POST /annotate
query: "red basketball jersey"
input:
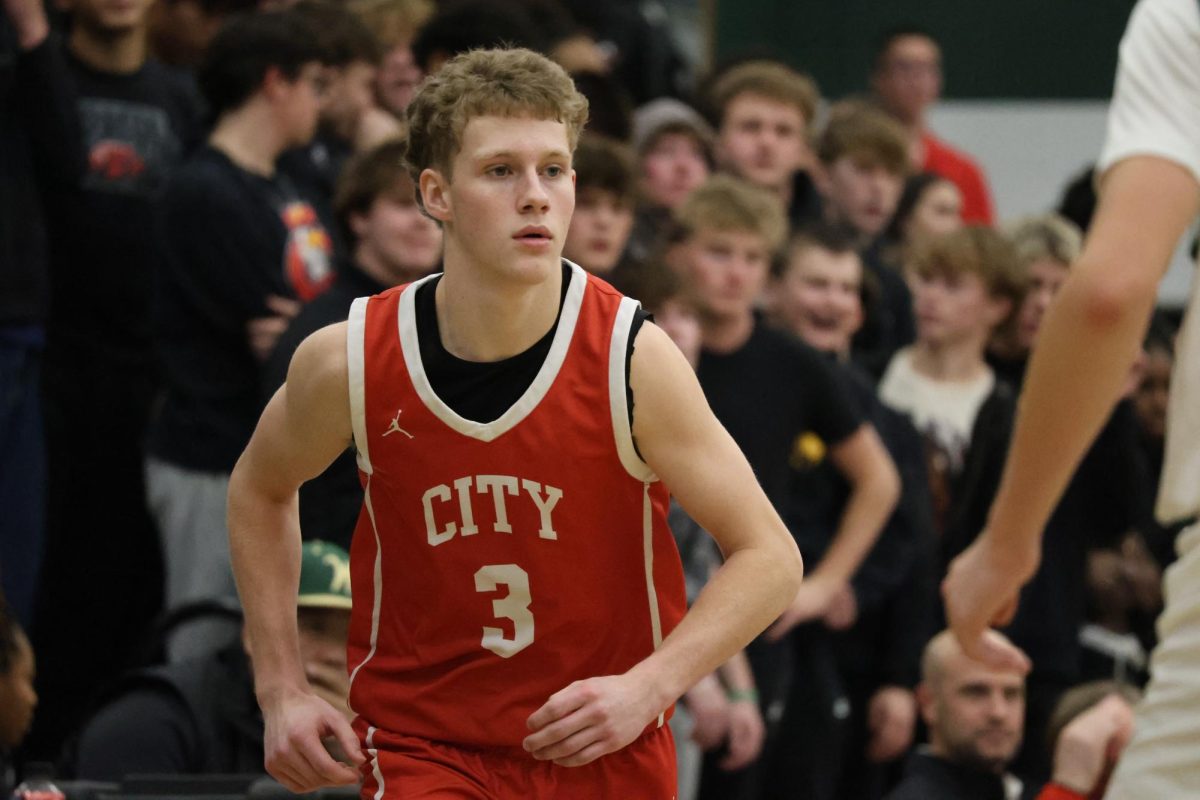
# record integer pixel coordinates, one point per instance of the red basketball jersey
(495, 563)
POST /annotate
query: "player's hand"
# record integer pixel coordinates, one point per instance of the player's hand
(1090, 744)
(709, 707)
(263, 332)
(746, 734)
(591, 718)
(812, 601)
(296, 723)
(892, 722)
(981, 589)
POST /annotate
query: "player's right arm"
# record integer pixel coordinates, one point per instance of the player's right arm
(305, 426)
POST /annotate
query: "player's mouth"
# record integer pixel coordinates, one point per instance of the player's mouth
(536, 237)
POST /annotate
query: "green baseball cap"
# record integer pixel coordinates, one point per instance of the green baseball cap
(324, 576)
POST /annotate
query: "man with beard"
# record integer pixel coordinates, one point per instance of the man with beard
(975, 715)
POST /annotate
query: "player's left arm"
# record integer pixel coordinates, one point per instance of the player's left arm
(874, 482)
(688, 449)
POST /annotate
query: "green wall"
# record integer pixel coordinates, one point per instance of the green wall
(1001, 49)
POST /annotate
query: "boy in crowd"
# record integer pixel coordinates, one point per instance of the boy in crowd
(965, 286)
(765, 112)
(395, 24)
(240, 250)
(567, 693)
(673, 145)
(604, 198)
(721, 712)
(139, 119)
(862, 164)
(393, 244)
(768, 390)
(1046, 247)
(884, 618)
(351, 56)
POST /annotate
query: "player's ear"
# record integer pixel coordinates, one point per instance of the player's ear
(435, 192)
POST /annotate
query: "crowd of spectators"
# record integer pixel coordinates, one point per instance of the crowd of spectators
(191, 187)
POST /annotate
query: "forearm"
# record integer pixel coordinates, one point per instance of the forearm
(264, 539)
(870, 504)
(1048, 444)
(748, 592)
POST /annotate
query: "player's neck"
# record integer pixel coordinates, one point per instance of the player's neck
(952, 361)
(483, 317)
(122, 53)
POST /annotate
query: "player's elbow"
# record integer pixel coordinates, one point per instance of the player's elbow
(1108, 299)
(790, 566)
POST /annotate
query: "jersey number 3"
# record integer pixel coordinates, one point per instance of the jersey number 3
(513, 606)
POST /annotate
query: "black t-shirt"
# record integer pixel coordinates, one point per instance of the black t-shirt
(314, 170)
(229, 239)
(136, 131)
(768, 394)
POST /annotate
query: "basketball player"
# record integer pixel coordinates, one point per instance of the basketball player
(1149, 193)
(517, 624)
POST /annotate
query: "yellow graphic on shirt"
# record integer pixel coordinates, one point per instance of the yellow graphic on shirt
(808, 451)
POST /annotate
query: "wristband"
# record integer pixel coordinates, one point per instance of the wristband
(742, 695)
(1056, 791)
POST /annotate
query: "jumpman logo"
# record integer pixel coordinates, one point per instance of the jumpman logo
(395, 426)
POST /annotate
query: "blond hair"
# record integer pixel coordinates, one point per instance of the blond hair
(974, 250)
(725, 203)
(861, 131)
(478, 83)
(1045, 237)
(771, 80)
(394, 22)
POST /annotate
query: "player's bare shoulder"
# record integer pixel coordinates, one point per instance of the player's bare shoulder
(318, 377)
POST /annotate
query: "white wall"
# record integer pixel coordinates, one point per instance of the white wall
(1031, 149)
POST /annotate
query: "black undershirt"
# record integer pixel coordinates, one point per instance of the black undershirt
(481, 391)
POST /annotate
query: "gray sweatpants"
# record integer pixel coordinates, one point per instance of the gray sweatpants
(189, 507)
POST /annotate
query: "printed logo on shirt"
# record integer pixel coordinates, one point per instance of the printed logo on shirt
(808, 451)
(395, 426)
(308, 255)
(131, 146)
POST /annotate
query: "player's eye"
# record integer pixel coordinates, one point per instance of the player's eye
(499, 171)
(555, 171)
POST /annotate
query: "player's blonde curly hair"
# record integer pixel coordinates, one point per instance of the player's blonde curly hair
(505, 83)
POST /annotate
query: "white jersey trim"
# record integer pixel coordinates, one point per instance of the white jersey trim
(651, 591)
(356, 333)
(489, 431)
(617, 398)
(376, 770)
(378, 583)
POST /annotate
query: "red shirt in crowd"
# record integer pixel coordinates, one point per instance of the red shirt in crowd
(960, 169)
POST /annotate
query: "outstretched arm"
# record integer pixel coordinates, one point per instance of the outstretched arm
(304, 428)
(1076, 374)
(688, 449)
